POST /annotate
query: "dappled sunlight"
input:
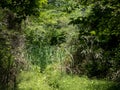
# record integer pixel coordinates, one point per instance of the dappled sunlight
(59, 45)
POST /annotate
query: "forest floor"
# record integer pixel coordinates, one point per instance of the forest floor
(55, 80)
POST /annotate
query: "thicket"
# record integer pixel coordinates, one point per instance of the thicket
(94, 38)
(12, 13)
(80, 37)
(99, 31)
(48, 38)
(11, 43)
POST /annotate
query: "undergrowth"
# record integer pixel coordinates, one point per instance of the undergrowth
(54, 79)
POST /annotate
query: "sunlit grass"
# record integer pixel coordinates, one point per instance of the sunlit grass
(53, 79)
(83, 83)
(32, 80)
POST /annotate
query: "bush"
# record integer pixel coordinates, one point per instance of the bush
(32, 79)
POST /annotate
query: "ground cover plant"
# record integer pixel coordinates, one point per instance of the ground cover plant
(53, 79)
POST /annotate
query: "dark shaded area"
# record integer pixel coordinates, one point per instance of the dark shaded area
(115, 86)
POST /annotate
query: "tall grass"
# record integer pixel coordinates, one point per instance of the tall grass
(50, 60)
(45, 55)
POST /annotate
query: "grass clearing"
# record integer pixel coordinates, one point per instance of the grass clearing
(55, 80)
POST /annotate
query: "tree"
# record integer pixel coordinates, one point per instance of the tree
(20, 9)
(101, 22)
(11, 38)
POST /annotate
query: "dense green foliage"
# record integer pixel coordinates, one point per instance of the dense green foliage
(12, 12)
(59, 44)
(99, 36)
(6, 62)
(22, 8)
(53, 79)
(48, 36)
